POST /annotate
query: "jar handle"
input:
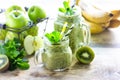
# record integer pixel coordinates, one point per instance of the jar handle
(87, 34)
(37, 56)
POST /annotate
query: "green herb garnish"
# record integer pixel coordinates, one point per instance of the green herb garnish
(68, 10)
(15, 53)
(54, 37)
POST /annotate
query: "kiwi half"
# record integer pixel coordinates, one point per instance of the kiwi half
(85, 55)
(4, 63)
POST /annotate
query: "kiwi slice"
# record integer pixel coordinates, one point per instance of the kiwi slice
(85, 55)
(4, 63)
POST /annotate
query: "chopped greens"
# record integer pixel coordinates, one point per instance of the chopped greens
(15, 53)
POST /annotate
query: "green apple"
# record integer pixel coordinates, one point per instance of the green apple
(33, 30)
(2, 34)
(36, 12)
(16, 19)
(10, 36)
(32, 44)
(13, 7)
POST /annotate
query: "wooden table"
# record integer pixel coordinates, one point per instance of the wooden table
(105, 66)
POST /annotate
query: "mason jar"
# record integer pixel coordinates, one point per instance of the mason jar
(56, 57)
(80, 33)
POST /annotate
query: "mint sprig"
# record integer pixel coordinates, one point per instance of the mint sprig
(54, 37)
(67, 9)
(16, 54)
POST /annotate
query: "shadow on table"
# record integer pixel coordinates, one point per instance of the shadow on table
(107, 39)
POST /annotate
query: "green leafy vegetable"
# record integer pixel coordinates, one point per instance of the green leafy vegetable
(15, 53)
(66, 4)
(54, 37)
(62, 10)
(68, 10)
(22, 64)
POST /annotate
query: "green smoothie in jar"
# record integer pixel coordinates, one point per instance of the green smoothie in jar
(56, 56)
(80, 34)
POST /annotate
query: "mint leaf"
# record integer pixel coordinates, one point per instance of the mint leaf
(68, 10)
(12, 54)
(66, 4)
(54, 37)
(62, 10)
(16, 53)
(22, 64)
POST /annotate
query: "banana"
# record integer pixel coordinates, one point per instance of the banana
(94, 14)
(114, 23)
(97, 27)
(116, 14)
(77, 2)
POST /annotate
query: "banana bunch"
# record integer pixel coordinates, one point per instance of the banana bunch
(99, 19)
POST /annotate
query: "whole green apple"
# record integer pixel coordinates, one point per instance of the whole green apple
(13, 7)
(16, 19)
(36, 12)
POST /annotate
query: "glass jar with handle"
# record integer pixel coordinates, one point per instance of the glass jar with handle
(80, 34)
(56, 54)
(55, 57)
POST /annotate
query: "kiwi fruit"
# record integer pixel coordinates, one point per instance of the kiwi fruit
(85, 55)
(4, 62)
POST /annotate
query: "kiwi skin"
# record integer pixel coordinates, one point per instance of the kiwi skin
(81, 51)
(6, 65)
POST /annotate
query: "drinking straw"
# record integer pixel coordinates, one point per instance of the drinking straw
(63, 29)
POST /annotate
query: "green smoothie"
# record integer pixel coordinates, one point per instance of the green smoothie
(79, 35)
(57, 56)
